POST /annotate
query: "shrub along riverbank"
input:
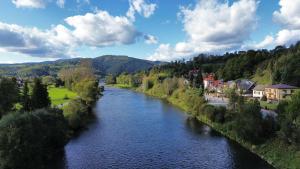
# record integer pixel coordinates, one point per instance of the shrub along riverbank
(242, 122)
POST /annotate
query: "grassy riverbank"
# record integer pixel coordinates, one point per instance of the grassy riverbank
(274, 151)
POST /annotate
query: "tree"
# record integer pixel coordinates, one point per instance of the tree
(289, 120)
(48, 80)
(30, 140)
(83, 71)
(76, 113)
(40, 98)
(198, 80)
(9, 94)
(110, 79)
(249, 122)
(25, 99)
(170, 85)
(88, 91)
(235, 105)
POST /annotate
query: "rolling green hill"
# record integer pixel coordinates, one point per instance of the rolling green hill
(103, 65)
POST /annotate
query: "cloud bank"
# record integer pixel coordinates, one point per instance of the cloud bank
(98, 29)
(211, 26)
(288, 17)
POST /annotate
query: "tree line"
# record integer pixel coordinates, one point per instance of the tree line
(279, 65)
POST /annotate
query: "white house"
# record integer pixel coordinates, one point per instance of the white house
(259, 91)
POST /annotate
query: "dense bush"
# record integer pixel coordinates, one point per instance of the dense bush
(250, 124)
(147, 84)
(87, 90)
(264, 98)
(29, 140)
(215, 114)
(76, 113)
(170, 85)
(289, 120)
(110, 79)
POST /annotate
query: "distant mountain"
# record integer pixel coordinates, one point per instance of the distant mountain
(117, 64)
(103, 65)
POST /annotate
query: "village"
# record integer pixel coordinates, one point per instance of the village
(268, 95)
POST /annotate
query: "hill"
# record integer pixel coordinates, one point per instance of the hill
(103, 65)
(280, 65)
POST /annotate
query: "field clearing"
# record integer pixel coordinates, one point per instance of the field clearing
(60, 95)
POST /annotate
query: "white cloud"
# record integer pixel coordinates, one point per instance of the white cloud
(101, 29)
(150, 39)
(264, 44)
(60, 3)
(212, 26)
(29, 3)
(141, 7)
(98, 29)
(163, 52)
(287, 37)
(33, 42)
(288, 16)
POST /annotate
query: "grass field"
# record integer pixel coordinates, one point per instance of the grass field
(60, 95)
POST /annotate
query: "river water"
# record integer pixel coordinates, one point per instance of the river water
(132, 130)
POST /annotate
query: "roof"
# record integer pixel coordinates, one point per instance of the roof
(244, 84)
(260, 87)
(209, 77)
(281, 86)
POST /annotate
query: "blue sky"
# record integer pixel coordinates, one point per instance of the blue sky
(40, 30)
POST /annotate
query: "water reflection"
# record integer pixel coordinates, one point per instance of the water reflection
(200, 128)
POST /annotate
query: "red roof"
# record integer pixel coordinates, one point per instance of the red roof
(209, 77)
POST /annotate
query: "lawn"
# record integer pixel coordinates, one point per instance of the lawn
(271, 106)
(60, 95)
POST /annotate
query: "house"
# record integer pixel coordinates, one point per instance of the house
(245, 86)
(259, 91)
(279, 91)
(208, 80)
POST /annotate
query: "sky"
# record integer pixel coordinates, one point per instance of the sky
(43, 30)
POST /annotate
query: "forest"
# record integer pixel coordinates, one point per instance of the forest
(280, 65)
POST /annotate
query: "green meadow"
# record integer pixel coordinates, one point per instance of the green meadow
(60, 95)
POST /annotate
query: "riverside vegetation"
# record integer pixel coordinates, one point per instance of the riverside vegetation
(275, 140)
(33, 132)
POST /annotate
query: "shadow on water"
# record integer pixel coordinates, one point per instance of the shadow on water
(239, 154)
(199, 128)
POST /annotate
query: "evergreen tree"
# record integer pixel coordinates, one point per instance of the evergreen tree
(40, 98)
(9, 95)
(198, 80)
(25, 100)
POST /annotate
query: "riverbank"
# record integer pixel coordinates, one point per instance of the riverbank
(274, 151)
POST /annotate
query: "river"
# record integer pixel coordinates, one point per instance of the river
(132, 130)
